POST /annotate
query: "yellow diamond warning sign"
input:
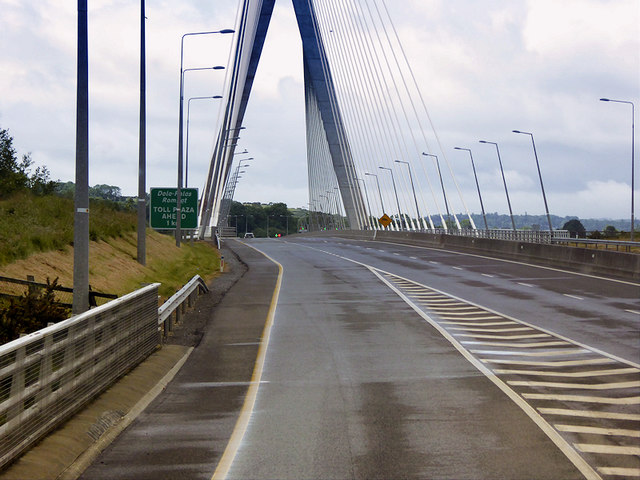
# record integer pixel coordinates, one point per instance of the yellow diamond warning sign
(385, 220)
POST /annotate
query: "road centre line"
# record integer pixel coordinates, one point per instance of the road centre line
(633, 311)
(457, 268)
(487, 275)
(503, 260)
(623, 432)
(525, 284)
(573, 296)
(565, 412)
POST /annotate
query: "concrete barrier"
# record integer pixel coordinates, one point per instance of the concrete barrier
(584, 260)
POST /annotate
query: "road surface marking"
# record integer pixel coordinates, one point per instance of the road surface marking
(492, 330)
(435, 263)
(633, 311)
(609, 449)
(577, 386)
(457, 268)
(396, 253)
(592, 373)
(590, 414)
(620, 471)
(544, 353)
(525, 284)
(413, 258)
(487, 275)
(561, 363)
(505, 337)
(584, 398)
(480, 324)
(242, 423)
(573, 296)
(517, 345)
(623, 432)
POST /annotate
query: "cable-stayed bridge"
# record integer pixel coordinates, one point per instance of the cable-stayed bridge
(371, 146)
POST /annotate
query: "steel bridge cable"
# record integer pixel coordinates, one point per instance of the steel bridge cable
(433, 129)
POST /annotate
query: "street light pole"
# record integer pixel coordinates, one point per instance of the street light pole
(395, 191)
(180, 128)
(544, 197)
(513, 223)
(484, 216)
(633, 116)
(186, 159)
(444, 194)
(142, 149)
(366, 194)
(412, 188)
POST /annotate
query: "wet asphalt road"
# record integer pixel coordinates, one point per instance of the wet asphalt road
(355, 383)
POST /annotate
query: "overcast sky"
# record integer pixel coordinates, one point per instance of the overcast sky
(485, 68)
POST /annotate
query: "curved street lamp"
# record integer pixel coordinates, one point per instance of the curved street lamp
(444, 194)
(484, 216)
(544, 197)
(412, 188)
(513, 223)
(633, 115)
(180, 128)
(393, 181)
(186, 159)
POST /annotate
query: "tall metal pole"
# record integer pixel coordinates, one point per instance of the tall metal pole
(473, 165)
(180, 134)
(81, 201)
(366, 194)
(142, 149)
(513, 223)
(395, 190)
(633, 122)
(412, 188)
(444, 193)
(544, 196)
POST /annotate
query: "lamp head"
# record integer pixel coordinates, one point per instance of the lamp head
(605, 100)
(227, 30)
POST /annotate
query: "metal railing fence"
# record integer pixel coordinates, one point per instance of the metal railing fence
(47, 376)
(179, 302)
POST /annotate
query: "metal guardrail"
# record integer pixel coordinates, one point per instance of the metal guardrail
(618, 244)
(49, 375)
(176, 304)
(530, 236)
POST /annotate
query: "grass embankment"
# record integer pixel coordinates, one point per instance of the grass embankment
(37, 236)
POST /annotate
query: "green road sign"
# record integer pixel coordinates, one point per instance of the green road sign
(163, 208)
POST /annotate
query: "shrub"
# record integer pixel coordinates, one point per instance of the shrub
(31, 312)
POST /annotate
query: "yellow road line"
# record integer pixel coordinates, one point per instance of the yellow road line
(242, 423)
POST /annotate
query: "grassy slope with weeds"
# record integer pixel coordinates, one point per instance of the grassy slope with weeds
(32, 224)
(37, 235)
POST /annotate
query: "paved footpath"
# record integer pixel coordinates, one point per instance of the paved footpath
(147, 421)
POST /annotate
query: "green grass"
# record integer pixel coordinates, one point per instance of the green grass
(197, 259)
(32, 224)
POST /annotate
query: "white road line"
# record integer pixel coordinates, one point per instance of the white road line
(487, 275)
(622, 432)
(620, 471)
(456, 308)
(590, 414)
(576, 386)
(592, 373)
(480, 324)
(396, 253)
(435, 263)
(413, 258)
(554, 343)
(492, 330)
(565, 363)
(633, 311)
(505, 337)
(457, 268)
(525, 284)
(583, 399)
(607, 449)
(446, 312)
(472, 319)
(573, 296)
(545, 353)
